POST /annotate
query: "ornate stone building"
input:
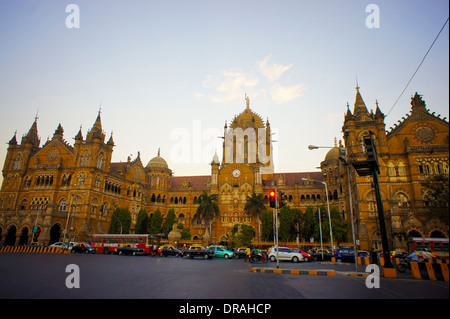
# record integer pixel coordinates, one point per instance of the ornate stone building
(42, 184)
(408, 154)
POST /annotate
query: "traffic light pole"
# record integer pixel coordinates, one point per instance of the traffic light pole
(371, 167)
(276, 225)
(384, 239)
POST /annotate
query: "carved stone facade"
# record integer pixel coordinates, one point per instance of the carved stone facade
(408, 154)
(43, 183)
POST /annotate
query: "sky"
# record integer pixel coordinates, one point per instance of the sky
(168, 74)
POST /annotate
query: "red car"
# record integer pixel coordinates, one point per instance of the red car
(306, 256)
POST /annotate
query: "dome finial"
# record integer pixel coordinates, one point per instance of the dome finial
(247, 101)
(159, 151)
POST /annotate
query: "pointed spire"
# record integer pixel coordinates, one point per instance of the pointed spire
(58, 132)
(13, 141)
(79, 136)
(98, 121)
(378, 113)
(32, 135)
(96, 130)
(111, 141)
(360, 107)
(159, 151)
(215, 157)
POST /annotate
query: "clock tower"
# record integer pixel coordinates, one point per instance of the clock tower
(246, 162)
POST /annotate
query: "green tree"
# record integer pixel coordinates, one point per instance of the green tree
(267, 224)
(308, 224)
(208, 209)
(437, 195)
(168, 224)
(340, 228)
(156, 222)
(242, 235)
(254, 206)
(120, 221)
(286, 224)
(185, 234)
(141, 222)
(299, 220)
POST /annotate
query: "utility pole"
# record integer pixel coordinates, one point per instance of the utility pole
(371, 167)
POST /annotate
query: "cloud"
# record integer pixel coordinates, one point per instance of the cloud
(233, 83)
(284, 94)
(274, 71)
(228, 85)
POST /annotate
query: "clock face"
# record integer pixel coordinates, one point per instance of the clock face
(236, 173)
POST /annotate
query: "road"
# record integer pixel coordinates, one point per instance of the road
(29, 276)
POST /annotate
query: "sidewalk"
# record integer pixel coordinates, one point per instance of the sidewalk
(319, 269)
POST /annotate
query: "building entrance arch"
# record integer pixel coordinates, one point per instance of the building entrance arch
(23, 239)
(55, 234)
(10, 239)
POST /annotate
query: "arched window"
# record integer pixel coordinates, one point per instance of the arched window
(62, 205)
(101, 160)
(402, 200)
(84, 158)
(23, 204)
(16, 162)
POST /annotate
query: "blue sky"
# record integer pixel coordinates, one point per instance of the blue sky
(168, 74)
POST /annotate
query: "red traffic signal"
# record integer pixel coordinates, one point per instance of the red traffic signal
(272, 196)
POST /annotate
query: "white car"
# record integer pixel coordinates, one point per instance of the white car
(59, 244)
(284, 253)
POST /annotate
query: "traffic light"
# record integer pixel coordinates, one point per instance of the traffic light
(282, 200)
(36, 232)
(296, 229)
(371, 151)
(272, 197)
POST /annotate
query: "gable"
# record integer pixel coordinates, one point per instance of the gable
(52, 153)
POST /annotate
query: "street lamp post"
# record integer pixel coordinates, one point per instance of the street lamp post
(276, 226)
(345, 160)
(67, 221)
(328, 207)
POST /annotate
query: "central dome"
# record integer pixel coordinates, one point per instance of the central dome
(247, 118)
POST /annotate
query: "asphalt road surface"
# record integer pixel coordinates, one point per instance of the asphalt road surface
(47, 276)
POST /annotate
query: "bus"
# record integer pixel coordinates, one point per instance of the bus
(437, 246)
(108, 243)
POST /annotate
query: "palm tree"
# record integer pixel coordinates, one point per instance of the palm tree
(254, 207)
(208, 209)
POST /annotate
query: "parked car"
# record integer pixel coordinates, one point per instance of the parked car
(83, 248)
(284, 253)
(306, 256)
(198, 251)
(59, 244)
(130, 250)
(170, 250)
(317, 256)
(220, 251)
(347, 254)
